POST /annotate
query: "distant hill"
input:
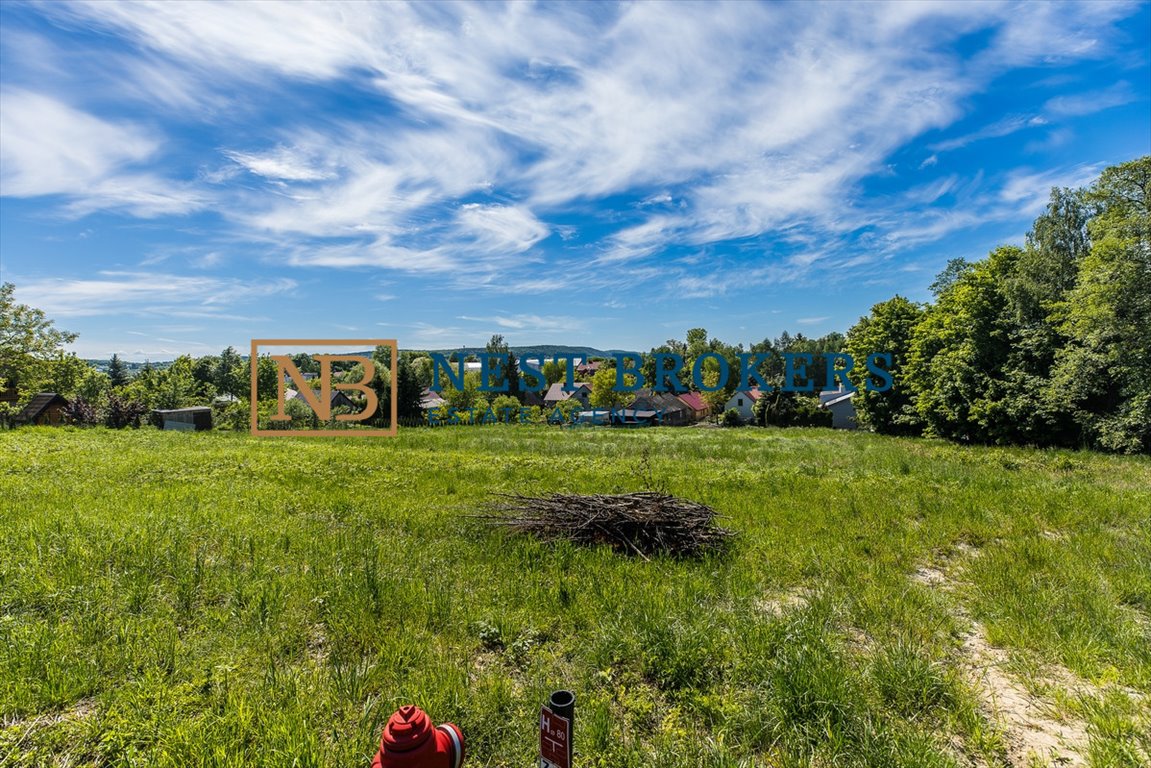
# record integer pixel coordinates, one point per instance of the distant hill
(548, 350)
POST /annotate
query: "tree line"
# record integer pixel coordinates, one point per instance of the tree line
(1047, 344)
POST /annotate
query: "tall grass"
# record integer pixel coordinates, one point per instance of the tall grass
(215, 599)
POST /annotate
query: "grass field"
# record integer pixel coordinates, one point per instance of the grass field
(177, 599)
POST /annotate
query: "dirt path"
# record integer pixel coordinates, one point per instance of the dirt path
(1034, 732)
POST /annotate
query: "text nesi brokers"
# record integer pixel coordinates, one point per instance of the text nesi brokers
(668, 365)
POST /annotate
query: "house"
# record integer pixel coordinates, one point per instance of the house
(672, 409)
(195, 419)
(430, 400)
(698, 409)
(556, 394)
(838, 401)
(339, 399)
(45, 408)
(307, 377)
(586, 369)
(742, 402)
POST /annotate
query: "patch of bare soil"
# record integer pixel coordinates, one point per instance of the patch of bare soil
(20, 729)
(781, 603)
(1029, 723)
(1033, 730)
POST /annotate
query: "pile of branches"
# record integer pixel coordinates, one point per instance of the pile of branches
(641, 523)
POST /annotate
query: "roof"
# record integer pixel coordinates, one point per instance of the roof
(193, 409)
(291, 394)
(556, 391)
(694, 401)
(844, 398)
(832, 394)
(38, 404)
(664, 401)
(430, 399)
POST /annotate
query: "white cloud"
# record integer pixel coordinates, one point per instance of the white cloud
(282, 164)
(145, 293)
(51, 148)
(529, 322)
(1088, 103)
(494, 118)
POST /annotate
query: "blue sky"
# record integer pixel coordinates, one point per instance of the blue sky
(176, 177)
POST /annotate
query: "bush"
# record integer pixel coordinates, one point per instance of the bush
(731, 418)
(789, 409)
(8, 413)
(123, 413)
(80, 412)
(234, 415)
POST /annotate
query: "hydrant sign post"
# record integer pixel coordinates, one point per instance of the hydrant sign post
(556, 720)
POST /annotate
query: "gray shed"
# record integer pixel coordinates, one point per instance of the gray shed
(184, 419)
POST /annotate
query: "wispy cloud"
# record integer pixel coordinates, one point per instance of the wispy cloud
(591, 156)
(525, 322)
(146, 293)
(600, 105)
(52, 148)
(1088, 103)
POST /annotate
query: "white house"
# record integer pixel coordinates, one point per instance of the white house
(742, 402)
(838, 401)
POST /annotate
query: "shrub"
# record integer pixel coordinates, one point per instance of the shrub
(80, 412)
(123, 413)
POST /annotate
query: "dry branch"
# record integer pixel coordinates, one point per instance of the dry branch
(643, 523)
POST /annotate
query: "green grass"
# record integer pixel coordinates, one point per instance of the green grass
(177, 599)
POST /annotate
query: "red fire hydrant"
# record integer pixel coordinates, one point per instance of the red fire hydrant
(411, 741)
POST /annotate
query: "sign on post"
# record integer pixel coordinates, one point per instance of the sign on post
(555, 740)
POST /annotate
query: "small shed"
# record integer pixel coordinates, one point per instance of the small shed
(184, 419)
(45, 408)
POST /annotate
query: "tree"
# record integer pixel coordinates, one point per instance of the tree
(231, 376)
(117, 374)
(29, 341)
(171, 387)
(955, 269)
(409, 392)
(555, 370)
(718, 398)
(509, 372)
(603, 392)
(958, 354)
(1101, 373)
(888, 328)
(267, 378)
